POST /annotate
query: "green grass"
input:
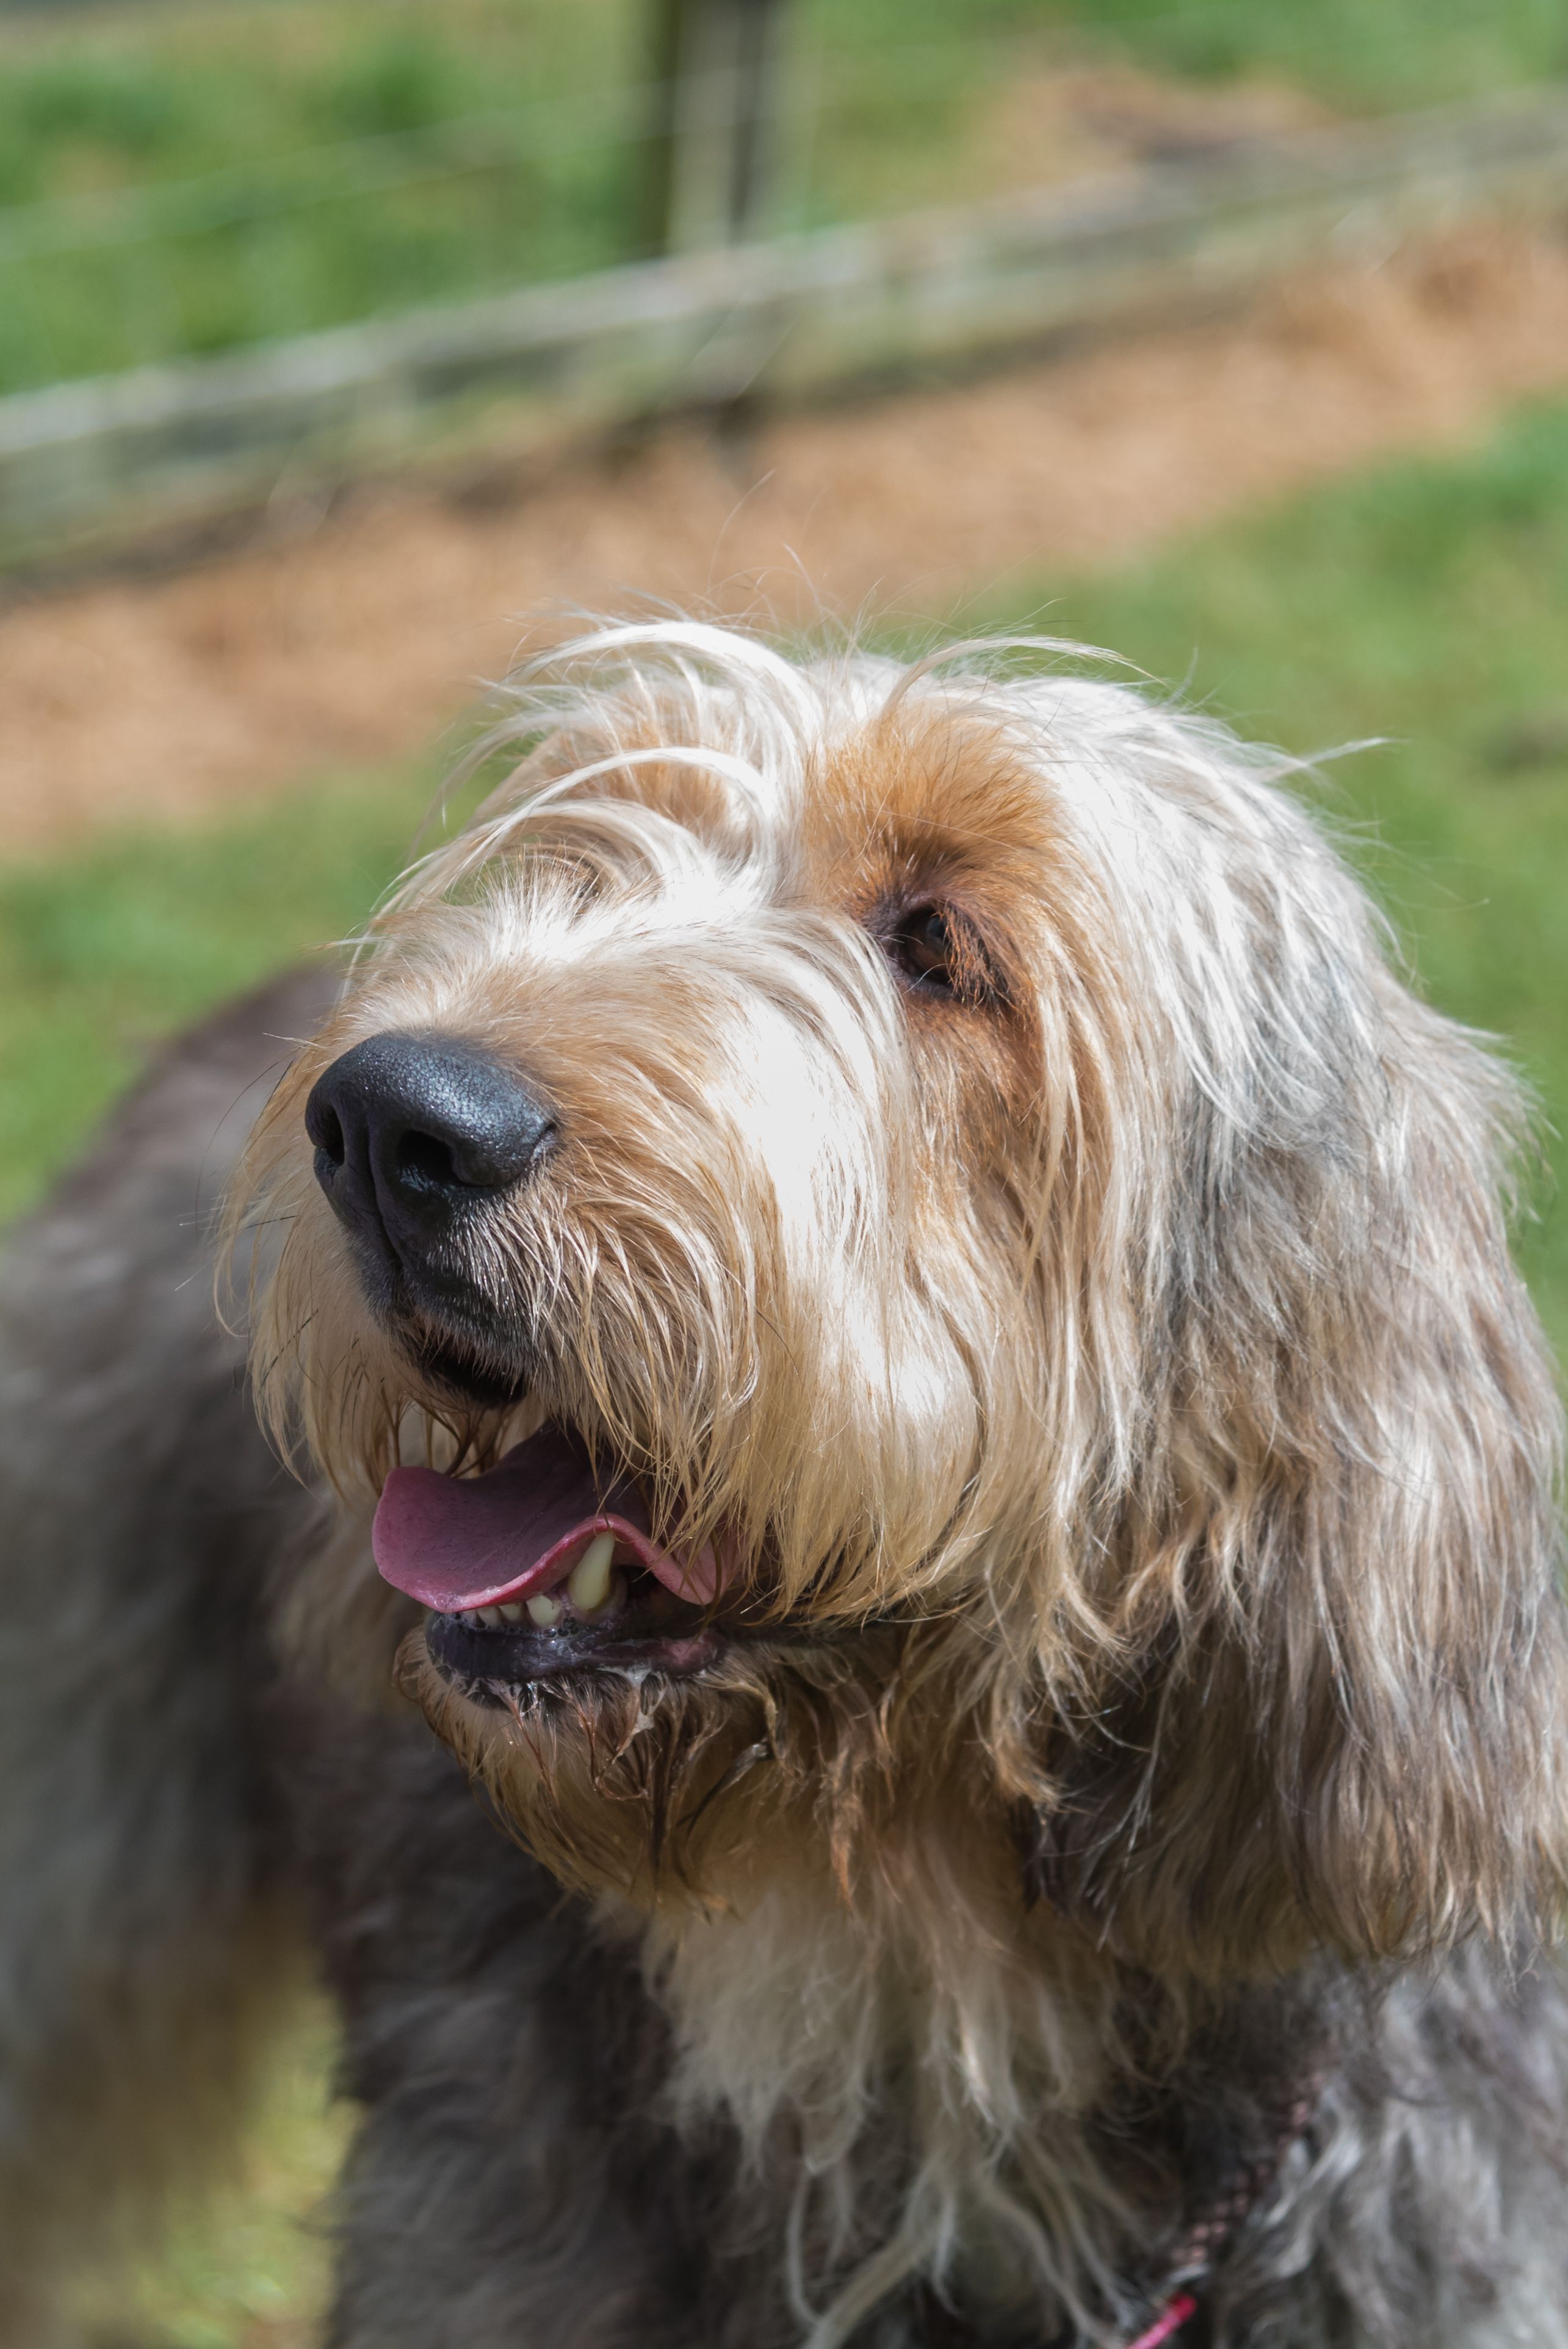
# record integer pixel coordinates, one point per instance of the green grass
(300, 162)
(1425, 602)
(1352, 52)
(220, 176)
(102, 954)
(250, 2268)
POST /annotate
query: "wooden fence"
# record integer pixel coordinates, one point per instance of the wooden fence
(89, 466)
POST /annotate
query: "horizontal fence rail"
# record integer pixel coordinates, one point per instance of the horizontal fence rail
(93, 464)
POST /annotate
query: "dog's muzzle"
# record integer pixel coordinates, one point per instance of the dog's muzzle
(415, 1137)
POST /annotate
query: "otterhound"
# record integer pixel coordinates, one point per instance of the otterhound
(901, 1337)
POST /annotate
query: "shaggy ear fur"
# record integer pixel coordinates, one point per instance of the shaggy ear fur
(1333, 1706)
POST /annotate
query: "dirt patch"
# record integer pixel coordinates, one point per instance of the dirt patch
(1037, 125)
(1066, 125)
(353, 641)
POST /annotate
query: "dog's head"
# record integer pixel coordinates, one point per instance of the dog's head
(905, 1275)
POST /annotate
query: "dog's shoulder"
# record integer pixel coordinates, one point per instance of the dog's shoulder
(125, 1428)
(114, 1267)
(178, 1131)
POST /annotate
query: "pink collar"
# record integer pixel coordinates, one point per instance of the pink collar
(1169, 2321)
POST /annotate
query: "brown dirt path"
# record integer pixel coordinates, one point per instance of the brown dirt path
(355, 640)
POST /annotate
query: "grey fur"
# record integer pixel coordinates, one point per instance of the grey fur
(142, 1889)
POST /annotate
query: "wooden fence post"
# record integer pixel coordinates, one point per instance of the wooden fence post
(713, 149)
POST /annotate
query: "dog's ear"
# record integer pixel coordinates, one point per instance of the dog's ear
(1332, 1704)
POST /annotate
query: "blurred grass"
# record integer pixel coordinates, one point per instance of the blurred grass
(1353, 53)
(250, 2269)
(310, 163)
(1424, 602)
(293, 168)
(138, 935)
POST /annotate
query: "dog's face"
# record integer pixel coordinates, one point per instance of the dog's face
(901, 1269)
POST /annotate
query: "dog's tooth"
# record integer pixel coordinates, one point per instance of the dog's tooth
(510, 1610)
(545, 1610)
(590, 1584)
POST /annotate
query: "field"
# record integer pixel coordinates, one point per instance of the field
(180, 180)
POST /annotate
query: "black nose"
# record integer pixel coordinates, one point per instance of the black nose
(412, 1133)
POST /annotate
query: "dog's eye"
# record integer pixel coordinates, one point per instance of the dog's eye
(922, 949)
(938, 952)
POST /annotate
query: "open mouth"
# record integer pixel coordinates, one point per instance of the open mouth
(534, 1570)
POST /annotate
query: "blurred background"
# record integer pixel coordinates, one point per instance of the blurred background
(345, 345)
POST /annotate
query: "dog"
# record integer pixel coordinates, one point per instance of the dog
(886, 1599)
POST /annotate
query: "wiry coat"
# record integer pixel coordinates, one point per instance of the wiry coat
(1138, 1453)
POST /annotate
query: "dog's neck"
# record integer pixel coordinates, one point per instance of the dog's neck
(978, 2111)
(924, 2101)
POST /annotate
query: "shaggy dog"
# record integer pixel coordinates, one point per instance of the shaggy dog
(921, 1331)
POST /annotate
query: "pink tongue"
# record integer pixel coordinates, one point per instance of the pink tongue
(455, 1542)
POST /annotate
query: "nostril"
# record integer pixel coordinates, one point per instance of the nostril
(424, 1158)
(324, 1128)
